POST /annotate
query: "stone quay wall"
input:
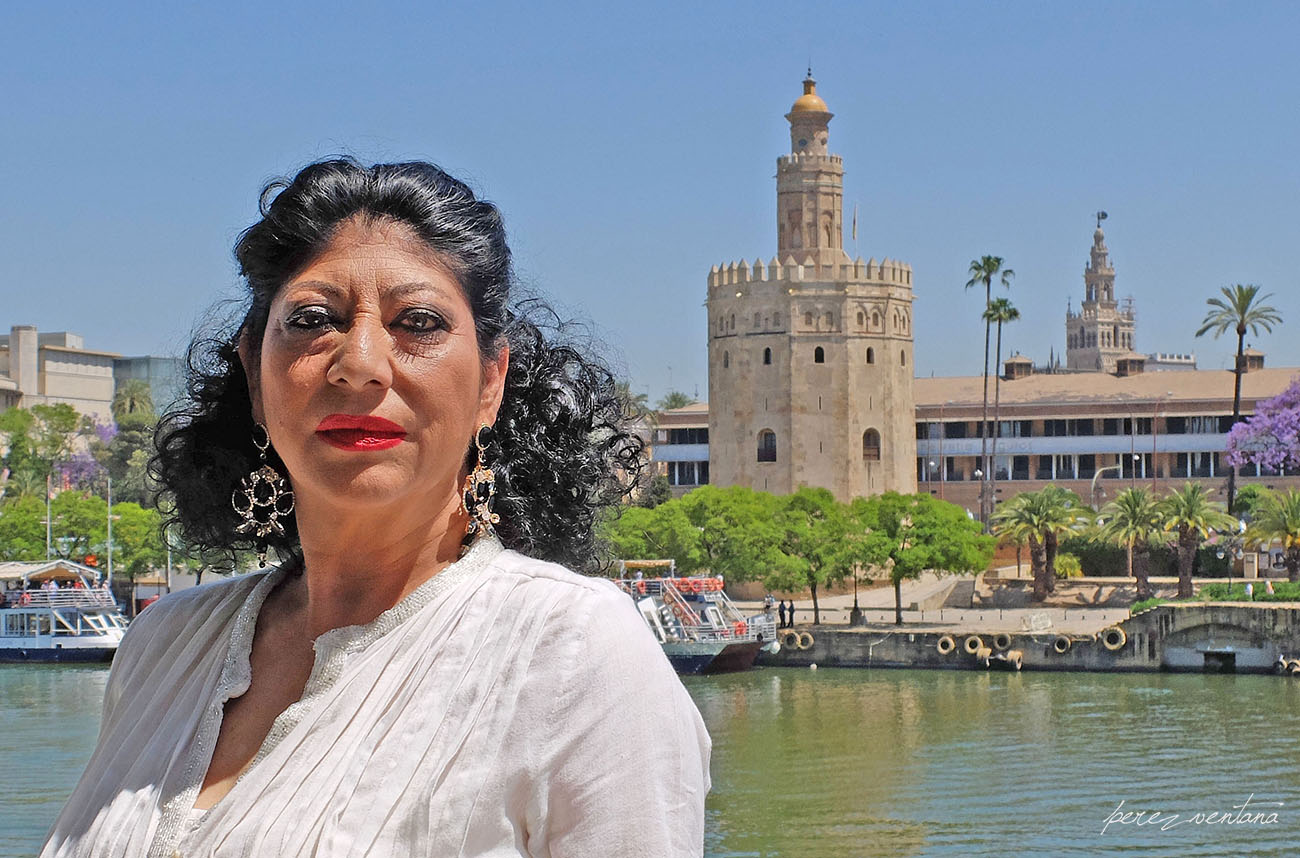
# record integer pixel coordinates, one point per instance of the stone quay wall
(1243, 638)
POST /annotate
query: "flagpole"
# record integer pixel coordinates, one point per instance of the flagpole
(855, 230)
(110, 527)
(47, 518)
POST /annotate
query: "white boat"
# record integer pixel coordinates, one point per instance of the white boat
(699, 628)
(78, 622)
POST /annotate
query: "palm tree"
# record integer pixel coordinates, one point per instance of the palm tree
(1065, 513)
(635, 405)
(1240, 309)
(1279, 520)
(674, 399)
(983, 270)
(1189, 513)
(1018, 521)
(1039, 518)
(1132, 520)
(133, 398)
(997, 312)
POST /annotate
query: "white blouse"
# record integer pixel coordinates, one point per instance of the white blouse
(506, 707)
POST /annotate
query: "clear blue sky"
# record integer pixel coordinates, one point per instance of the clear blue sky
(631, 147)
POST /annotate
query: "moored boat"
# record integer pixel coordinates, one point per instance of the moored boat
(699, 627)
(55, 612)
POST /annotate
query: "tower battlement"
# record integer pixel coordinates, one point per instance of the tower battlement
(808, 159)
(887, 272)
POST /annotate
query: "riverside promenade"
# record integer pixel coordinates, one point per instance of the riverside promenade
(951, 603)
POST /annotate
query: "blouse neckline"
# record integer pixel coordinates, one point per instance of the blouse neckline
(332, 649)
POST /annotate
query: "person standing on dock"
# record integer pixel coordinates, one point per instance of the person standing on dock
(781, 614)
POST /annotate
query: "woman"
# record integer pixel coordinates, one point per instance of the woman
(422, 675)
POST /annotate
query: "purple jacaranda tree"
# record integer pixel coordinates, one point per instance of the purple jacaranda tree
(79, 471)
(105, 432)
(1271, 438)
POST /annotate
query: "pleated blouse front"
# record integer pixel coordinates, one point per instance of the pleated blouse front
(506, 707)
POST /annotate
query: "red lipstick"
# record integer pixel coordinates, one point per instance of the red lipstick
(359, 432)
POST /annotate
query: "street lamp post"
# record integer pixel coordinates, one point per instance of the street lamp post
(1155, 417)
(1095, 477)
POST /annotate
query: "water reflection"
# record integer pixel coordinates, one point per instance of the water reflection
(875, 763)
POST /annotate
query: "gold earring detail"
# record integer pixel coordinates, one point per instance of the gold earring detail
(480, 488)
(263, 497)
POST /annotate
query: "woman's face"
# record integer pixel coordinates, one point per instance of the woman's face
(370, 381)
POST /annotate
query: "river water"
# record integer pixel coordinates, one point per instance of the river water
(864, 763)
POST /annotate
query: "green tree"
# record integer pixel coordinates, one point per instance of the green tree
(1240, 309)
(1250, 500)
(137, 540)
(982, 271)
(657, 491)
(22, 528)
(78, 525)
(674, 399)
(133, 398)
(909, 534)
(730, 532)
(56, 428)
(999, 312)
(1277, 519)
(740, 535)
(813, 540)
(1132, 520)
(1040, 518)
(1192, 516)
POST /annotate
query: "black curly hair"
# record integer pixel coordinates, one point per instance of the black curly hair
(560, 448)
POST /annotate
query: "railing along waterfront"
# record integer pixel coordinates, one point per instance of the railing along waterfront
(67, 598)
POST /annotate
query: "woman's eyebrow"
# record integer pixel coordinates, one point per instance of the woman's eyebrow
(331, 289)
(401, 290)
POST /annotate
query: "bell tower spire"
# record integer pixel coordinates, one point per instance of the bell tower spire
(810, 186)
(1102, 331)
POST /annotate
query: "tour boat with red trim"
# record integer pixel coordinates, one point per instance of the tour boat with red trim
(700, 629)
(55, 612)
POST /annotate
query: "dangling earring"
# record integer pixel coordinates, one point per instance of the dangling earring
(263, 498)
(480, 487)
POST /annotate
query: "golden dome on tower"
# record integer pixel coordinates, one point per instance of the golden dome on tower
(810, 101)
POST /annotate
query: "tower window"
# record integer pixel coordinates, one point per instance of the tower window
(861, 318)
(871, 446)
(830, 320)
(875, 320)
(902, 357)
(819, 355)
(726, 360)
(767, 446)
(733, 321)
(758, 319)
(776, 320)
(807, 319)
(871, 355)
(767, 356)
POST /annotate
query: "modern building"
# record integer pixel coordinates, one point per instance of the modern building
(165, 376)
(38, 368)
(57, 367)
(810, 354)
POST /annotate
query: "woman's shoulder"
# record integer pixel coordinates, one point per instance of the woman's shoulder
(205, 609)
(544, 573)
(203, 599)
(576, 595)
